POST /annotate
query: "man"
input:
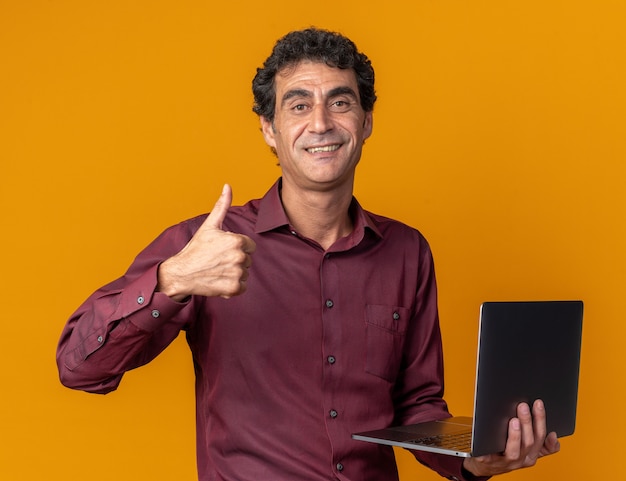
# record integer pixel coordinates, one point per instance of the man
(334, 329)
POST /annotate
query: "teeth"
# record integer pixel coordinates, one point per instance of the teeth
(326, 148)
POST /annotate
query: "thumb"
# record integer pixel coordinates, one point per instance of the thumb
(217, 215)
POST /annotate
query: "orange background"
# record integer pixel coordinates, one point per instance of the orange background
(499, 133)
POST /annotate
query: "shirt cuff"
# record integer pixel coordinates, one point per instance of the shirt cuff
(145, 308)
(450, 467)
(467, 476)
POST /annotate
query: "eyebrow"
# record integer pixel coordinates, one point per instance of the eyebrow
(295, 93)
(307, 94)
(343, 91)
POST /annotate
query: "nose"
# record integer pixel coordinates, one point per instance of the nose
(320, 120)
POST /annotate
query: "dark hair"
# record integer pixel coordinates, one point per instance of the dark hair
(317, 45)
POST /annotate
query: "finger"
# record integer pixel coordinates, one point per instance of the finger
(244, 276)
(513, 447)
(217, 215)
(249, 246)
(552, 445)
(526, 424)
(539, 416)
(539, 427)
(237, 287)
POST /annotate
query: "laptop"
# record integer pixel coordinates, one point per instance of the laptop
(526, 351)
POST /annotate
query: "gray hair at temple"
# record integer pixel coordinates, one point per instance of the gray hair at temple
(317, 45)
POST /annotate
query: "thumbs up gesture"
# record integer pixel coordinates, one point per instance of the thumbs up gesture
(213, 263)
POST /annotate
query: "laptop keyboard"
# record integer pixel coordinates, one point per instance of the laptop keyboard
(457, 442)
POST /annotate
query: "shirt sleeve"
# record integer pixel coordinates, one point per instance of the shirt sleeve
(419, 390)
(125, 324)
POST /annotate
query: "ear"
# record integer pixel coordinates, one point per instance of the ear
(268, 131)
(368, 125)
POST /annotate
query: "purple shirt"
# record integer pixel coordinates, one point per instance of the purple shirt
(321, 345)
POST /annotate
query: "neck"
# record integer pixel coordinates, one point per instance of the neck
(322, 216)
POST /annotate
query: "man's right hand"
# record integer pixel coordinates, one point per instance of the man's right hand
(213, 263)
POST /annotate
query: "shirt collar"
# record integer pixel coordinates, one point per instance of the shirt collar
(271, 215)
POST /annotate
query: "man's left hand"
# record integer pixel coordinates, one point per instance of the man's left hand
(526, 442)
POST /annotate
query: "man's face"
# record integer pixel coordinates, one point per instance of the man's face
(319, 126)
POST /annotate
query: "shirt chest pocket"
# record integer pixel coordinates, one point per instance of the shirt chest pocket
(385, 329)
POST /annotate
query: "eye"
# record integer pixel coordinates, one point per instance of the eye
(341, 105)
(299, 107)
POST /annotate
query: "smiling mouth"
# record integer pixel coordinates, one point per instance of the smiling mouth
(325, 148)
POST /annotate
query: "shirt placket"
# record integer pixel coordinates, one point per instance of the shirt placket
(331, 358)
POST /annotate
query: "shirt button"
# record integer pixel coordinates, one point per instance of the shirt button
(100, 339)
(333, 414)
(155, 313)
(339, 467)
(140, 300)
(331, 359)
(396, 316)
(329, 303)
